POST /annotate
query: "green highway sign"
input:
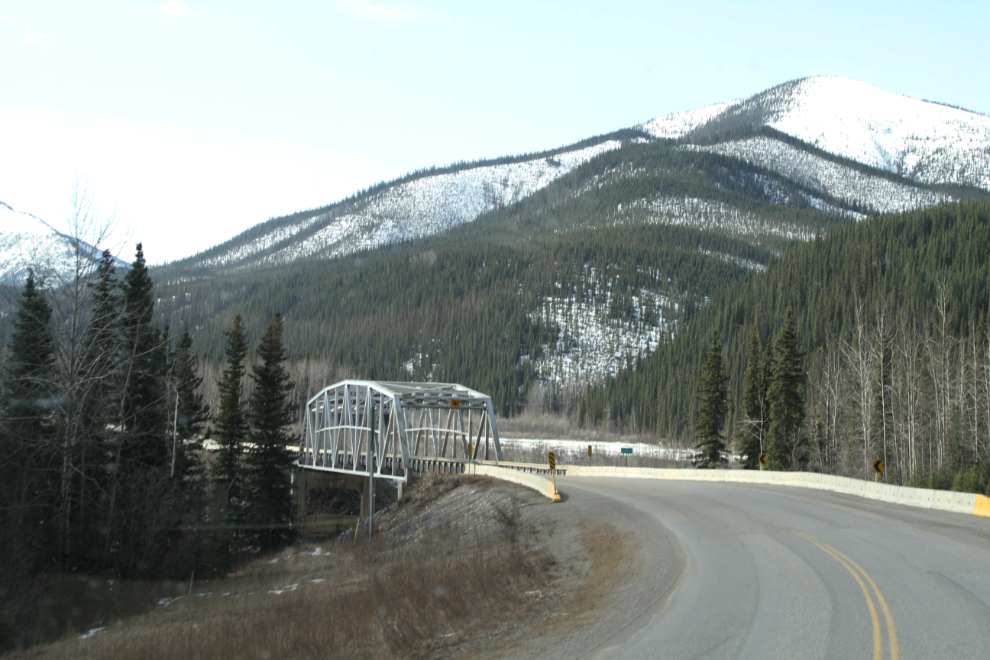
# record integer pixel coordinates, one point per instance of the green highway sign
(627, 450)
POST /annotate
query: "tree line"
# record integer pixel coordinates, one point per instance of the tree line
(102, 421)
(890, 327)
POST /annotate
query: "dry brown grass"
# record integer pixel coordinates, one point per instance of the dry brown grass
(408, 596)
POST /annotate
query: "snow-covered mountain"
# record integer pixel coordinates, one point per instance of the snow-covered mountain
(413, 209)
(27, 241)
(928, 142)
(908, 147)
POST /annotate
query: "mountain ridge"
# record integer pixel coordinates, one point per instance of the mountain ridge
(882, 134)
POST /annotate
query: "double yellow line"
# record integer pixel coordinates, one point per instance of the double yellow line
(857, 571)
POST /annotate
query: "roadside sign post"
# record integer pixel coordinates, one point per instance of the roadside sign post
(877, 469)
(553, 469)
(626, 452)
(763, 461)
(589, 451)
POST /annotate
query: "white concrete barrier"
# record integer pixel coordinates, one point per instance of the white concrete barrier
(923, 498)
(539, 483)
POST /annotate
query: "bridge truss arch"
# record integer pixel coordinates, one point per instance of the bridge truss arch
(415, 424)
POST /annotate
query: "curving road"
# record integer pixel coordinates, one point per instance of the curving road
(774, 572)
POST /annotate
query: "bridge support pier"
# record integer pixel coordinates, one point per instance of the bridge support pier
(304, 481)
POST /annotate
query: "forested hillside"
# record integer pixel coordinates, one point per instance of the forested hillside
(891, 316)
(595, 267)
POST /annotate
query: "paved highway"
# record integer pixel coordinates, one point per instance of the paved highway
(776, 572)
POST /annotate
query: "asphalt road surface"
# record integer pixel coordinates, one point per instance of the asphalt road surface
(777, 572)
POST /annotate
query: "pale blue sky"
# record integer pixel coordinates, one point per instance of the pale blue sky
(194, 120)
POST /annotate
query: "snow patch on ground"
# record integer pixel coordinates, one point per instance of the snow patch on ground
(576, 451)
(708, 215)
(278, 591)
(825, 176)
(262, 243)
(92, 632)
(593, 342)
(679, 123)
(749, 264)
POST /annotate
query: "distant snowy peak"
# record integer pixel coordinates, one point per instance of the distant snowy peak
(18, 222)
(925, 141)
(27, 241)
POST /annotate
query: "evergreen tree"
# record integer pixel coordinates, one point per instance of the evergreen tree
(28, 482)
(226, 513)
(755, 405)
(785, 447)
(94, 409)
(270, 506)
(99, 391)
(231, 420)
(190, 412)
(30, 371)
(145, 507)
(711, 396)
(143, 398)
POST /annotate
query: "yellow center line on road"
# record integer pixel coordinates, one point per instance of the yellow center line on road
(895, 651)
(855, 570)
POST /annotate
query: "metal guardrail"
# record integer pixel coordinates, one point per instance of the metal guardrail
(459, 466)
(454, 465)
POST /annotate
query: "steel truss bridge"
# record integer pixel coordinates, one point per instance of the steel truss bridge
(410, 426)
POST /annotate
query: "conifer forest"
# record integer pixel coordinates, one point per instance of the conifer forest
(103, 422)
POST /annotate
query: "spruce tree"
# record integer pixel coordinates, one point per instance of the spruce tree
(101, 354)
(231, 419)
(785, 447)
(226, 510)
(711, 396)
(95, 410)
(754, 404)
(190, 412)
(143, 404)
(30, 371)
(270, 506)
(29, 466)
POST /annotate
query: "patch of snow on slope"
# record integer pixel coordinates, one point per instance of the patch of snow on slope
(591, 343)
(675, 125)
(825, 176)
(931, 142)
(416, 209)
(708, 215)
(748, 264)
(433, 204)
(262, 243)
